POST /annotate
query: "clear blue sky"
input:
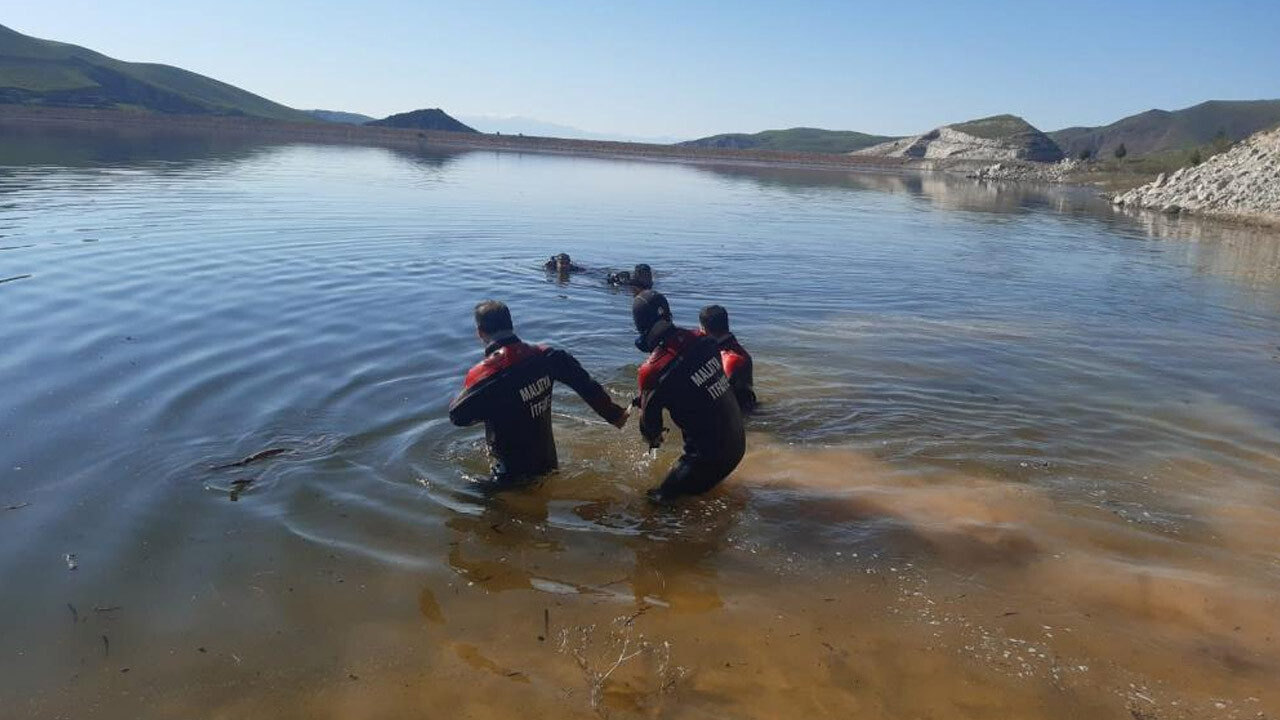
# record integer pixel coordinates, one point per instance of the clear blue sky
(696, 68)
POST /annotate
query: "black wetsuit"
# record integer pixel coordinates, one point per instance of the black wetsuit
(685, 377)
(624, 278)
(740, 369)
(510, 391)
(553, 267)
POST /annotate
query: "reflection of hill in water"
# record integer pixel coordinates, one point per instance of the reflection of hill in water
(944, 191)
(1247, 254)
(90, 147)
(166, 150)
(1250, 255)
(428, 158)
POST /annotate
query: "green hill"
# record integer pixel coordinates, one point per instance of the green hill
(44, 72)
(1157, 131)
(812, 140)
(338, 116)
(996, 126)
(430, 119)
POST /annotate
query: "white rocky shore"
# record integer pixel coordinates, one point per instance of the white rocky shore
(1242, 183)
(1058, 172)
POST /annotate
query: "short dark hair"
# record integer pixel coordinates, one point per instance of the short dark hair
(714, 319)
(492, 316)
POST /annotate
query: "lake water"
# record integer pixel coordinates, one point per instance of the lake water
(1018, 454)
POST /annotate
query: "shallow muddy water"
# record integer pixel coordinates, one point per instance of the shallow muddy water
(1018, 455)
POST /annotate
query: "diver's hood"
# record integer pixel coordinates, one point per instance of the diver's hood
(652, 316)
(648, 341)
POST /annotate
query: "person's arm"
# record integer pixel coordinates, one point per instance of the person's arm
(738, 368)
(472, 404)
(565, 368)
(651, 406)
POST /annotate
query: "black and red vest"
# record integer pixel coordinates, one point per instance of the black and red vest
(510, 391)
(685, 376)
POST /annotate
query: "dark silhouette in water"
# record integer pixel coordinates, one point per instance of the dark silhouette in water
(641, 278)
(260, 455)
(562, 265)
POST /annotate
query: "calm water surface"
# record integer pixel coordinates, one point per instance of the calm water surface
(1018, 457)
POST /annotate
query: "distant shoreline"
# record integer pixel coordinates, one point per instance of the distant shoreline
(28, 116)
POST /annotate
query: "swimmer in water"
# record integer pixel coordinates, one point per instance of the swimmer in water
(684, 376)
(562, 265)
(510, 392)
(735, 358)
(639, 279)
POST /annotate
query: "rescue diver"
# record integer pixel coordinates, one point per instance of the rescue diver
(510, 391)
(684, 376)
(735, 358)
(641, 278)
(562, 264)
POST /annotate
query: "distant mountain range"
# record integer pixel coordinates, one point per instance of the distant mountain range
(1161, 130)
(337, 116)
(520, 125)
(44, 72)
(48, 73)
(799, 139)
(431, 119)
(1154, 131)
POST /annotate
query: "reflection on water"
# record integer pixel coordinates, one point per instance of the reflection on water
(1017, 455)
(1242, 253)
(943, 191)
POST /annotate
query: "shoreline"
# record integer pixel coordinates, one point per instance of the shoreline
(36, 117)
(94, 120)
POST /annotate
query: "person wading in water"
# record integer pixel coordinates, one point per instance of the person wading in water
(735, 358)
(510, 391)
(683, 375)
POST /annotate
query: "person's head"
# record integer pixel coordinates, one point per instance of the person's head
(642, 276)
(714, 320)
(492, 318)
(563, 263)
(652, 316)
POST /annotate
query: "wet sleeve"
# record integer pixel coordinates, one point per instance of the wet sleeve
(470, 407)
(651, 407)
(565, 368)
(738, 368)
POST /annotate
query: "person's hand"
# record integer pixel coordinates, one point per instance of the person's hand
(621, 422)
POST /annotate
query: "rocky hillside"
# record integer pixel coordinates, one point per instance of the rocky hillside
(793, 140)
(1161, 130)
(993, 139)
(1242, 183)
(430, 119)
(44, 72)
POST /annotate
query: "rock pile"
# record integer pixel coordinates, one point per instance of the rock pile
(1242, 183)
(1026, 172)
